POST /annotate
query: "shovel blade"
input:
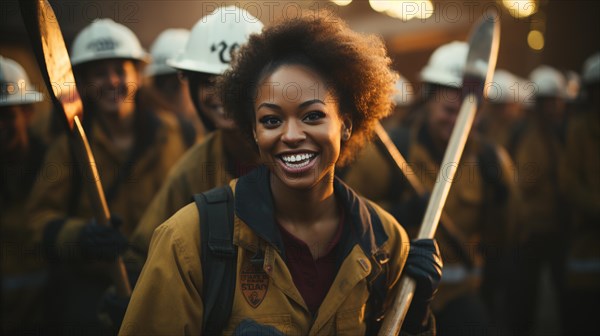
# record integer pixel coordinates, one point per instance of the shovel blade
(53, 58)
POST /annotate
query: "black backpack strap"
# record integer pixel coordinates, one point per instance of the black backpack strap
(219, 257)
(378, 288)
(378, 280)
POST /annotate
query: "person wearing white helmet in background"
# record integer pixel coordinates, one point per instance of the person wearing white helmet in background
(504, 107)
(551, 93)
(478, 203)
(223, 154)
(134, 148)
(21, 155)
(573, 85)
(582, 185)
(537, 146)
(208, 53)
(166, 86)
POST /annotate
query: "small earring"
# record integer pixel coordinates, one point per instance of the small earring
(346, 135)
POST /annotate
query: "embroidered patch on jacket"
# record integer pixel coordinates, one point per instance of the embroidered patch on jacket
(255, 283)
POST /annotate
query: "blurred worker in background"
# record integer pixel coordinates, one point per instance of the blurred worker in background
(21, 153)
(573, 95)
(478, 205)
(582, 184)
(374, 174)
(134, 148)
(166, 86)
(539, 232)
(504, 108)
(223, 154)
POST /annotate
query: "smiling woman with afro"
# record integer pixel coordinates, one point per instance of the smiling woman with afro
(311, 257)
(356, 66)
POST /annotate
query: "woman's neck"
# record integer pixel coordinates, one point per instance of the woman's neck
(304, 208)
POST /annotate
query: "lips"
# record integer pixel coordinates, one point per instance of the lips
(296, 163)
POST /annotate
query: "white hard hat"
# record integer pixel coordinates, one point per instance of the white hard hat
(15, 88)
(106, 39)
(505, 88)
(446, 65)
(549, 82)
(404, 94)
(214, 38)
(591, 69)
(168, 44)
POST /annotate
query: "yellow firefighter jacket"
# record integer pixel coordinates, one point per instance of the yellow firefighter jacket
(202, 168)
(23, 272)
(168, 297)
(129, 182)
(538, 156)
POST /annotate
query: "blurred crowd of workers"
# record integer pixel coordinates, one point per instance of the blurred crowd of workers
(526, 196)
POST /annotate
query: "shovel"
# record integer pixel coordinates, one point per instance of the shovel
(53, 59)
(481, 61)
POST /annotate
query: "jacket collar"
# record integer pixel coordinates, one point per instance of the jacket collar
(254, 206)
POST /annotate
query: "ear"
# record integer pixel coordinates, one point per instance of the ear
(181, 76)
(346, 128)
(255, 137)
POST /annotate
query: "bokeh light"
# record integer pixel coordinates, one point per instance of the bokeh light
(535, 40)
(341, 2)
(520, 8)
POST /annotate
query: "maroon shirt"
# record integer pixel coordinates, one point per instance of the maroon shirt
(313, 278)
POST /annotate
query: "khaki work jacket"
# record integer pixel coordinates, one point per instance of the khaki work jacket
(129, 182)
(168, 297)
(539, 156)
(23, 272)
(203, 167)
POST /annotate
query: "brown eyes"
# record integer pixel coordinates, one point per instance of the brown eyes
(314, 116)
(272, 121)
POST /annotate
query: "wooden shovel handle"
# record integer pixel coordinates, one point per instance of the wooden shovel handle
(396, 314)
(98, 201)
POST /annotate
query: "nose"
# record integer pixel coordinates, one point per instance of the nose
(112, 78)
(293, 134)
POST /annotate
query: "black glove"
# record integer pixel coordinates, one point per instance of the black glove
(249, 327)
(102, 243)
(424, 265)
(111, 310)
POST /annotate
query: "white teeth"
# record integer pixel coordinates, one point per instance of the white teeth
(297, 158)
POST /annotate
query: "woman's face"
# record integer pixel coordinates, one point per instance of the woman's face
(111, 86)
(298, 126)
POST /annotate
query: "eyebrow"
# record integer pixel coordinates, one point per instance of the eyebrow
(310, 102)
(303, 105)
